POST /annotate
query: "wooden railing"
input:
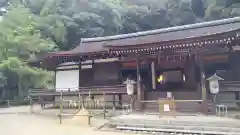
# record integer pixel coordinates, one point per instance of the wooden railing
(229, 86)
(185, 106)
(94, 90)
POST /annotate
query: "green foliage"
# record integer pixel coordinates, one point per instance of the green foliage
(31, 27)
(220, 9)
(198, 8)
(20, 39)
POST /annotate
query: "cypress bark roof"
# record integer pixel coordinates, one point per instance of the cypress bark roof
(100, 44)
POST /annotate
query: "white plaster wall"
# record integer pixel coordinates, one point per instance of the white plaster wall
(68, 79)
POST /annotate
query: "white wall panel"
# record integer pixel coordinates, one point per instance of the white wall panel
(67, 79)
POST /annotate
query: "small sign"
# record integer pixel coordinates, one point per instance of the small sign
(130, 89)
(214, 87)
(130, 86)
(166, 107)
(169, 94)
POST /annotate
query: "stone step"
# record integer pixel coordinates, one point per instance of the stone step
(160, 122)
(178, 131)
(184, 127)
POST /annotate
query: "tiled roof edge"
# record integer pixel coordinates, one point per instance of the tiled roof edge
(163, 30)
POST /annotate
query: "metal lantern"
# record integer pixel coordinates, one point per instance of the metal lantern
(214, 83)
(130, 86)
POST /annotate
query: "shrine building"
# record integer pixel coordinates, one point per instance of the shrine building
(176, 59)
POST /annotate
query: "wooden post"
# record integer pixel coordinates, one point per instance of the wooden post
(80, 103)
(114, 101)
(202, 83)
(60, 113)
(31, 104)
(41, 103)
(153, 71)
(120, 99)
(198, 59)
(237, 97)
(79, 75)
(8, 103)
(89, 120)
(104, 106)
(61, 107)
(61, 95)
(138, 107)
(203, 80)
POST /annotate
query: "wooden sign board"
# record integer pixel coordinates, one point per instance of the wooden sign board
(167, 107)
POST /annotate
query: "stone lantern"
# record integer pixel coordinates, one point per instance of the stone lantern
(130, 91)
(130, 86)
(214, 85)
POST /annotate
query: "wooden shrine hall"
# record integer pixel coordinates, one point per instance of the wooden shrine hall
(176, 59)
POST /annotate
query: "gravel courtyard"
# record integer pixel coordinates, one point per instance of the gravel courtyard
(18, 121)
(26, 124)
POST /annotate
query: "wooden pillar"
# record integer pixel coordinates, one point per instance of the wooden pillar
(139, 95)
(203, 80)
(199, 61)
(120, 99)
(237, 97)
(31, 104)
(153, 71)
(204, 106)
(114, 102)
(79, 75)
(55, 77)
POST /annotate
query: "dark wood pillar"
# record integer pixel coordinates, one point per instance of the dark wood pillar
(139, 95)
(153, 73)
(234, 72)
(237, 98)
(114, 102)
(202, 82)
(202, 77)
(55, 77)
(120, 100)
(79, 75)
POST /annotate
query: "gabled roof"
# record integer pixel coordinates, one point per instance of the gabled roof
(215, 77)
(99, 44)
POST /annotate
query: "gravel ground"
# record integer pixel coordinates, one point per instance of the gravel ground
(27, 124)
(18, 121)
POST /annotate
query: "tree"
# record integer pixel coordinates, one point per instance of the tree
(179, 12)
(198, 8)
(37, 26)
(220, 9)
(20, 39)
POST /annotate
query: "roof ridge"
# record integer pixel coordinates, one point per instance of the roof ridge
(163, 30)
